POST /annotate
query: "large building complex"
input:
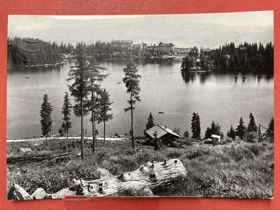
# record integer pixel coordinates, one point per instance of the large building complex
(166, 48)
(121, 45)
(141, 49)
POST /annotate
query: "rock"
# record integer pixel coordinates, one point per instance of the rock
(25, 150)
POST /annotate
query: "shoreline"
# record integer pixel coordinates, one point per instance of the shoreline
(62, 138)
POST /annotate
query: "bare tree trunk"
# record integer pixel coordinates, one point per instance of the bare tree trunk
(67, 129)
(93, 132)
(131, 106)
(104, 132)
(82, 129)
(145, 180)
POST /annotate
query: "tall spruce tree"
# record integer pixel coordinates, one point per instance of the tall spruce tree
(66, 111)
(252, 125)
(132, 80)
(93, 104)
(105, 104)
(150, 123)
(240, 130)
(79, 88)
(46, 120)
(85, 76)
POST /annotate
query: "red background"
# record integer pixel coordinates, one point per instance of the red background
(132, 7)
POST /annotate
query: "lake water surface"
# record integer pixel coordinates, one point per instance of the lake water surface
(221, 97)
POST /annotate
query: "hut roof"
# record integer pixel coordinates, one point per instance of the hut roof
(215, 136)
(161, 131)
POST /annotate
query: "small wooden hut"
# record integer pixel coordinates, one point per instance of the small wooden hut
(165, 134)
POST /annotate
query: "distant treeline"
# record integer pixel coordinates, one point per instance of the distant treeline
(35, 51)
(246, 57)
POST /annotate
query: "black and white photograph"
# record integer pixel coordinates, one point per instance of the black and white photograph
(140, 105)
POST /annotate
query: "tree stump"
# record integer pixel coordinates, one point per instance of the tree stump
(140, 182)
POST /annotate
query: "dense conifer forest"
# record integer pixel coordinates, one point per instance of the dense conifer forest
(244, 57)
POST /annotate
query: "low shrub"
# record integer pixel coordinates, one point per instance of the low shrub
(251, 137)
(197, 153)
(256, 149)
(174, 153)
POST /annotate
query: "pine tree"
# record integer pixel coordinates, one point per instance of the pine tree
(240, 130)
(93, 104)
(150, 123)
(131, 81)
(86, 76)
(46, 121)
(79, 89)
(66, 111)
(208, 133)
(215, 128)
(270, 130)
(198, 129)
(231, 133)
(105, 104)
(252, 125)
(193, 126)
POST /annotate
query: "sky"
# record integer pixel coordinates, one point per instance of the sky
(101, 27)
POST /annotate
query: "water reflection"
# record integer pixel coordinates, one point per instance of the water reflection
(188, 76)
(192, 76)
(204, 76)
(162, 62)
(259, 77)
(269, 77)
(235, 77)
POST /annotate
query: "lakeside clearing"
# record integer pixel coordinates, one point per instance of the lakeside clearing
(235, 169)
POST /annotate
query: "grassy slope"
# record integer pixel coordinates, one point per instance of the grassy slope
(237, 169)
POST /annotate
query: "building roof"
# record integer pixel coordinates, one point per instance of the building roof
(166, 44)
(161, 131)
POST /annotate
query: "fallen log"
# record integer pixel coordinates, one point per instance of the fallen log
(141, 182)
